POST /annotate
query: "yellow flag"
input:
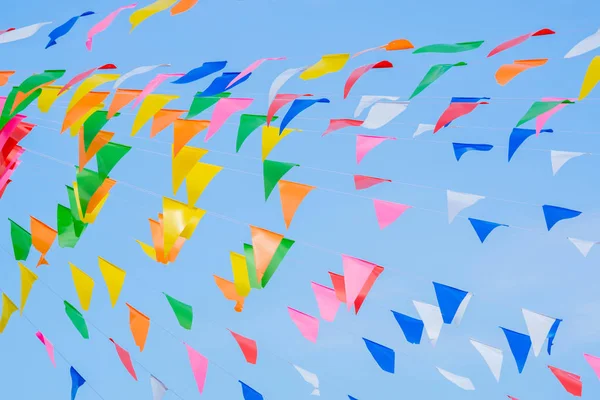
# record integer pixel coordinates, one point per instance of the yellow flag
(198, 179)
(179, 220)
(148, 250)
(90, 84)
(8, 308)
(77, 125)
(271, 137)
(591, 79)
(84, 285)
(150, 106)
(27, 280)
(90, 217)
(114, 278)
(240, 274)
(183, 163)
(328, 64)
(139, 16)
(48, 97)
(191, 226)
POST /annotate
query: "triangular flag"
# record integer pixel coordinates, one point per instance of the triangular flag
(248, 124)
(461, 148)
(158, 388)
(554, 214)
(28, 278)
(183, 312)
(339, 285)
(48, 345)
(139, 324)
(366, 143)
(310, 378)
(84, 285)
(307, 324)
(584, 246)
(368, 100)
(337, 124)
(432, 319)
(114, 278)
(8, 308)
(422, 128)
(200, 104)
(151, 104)
(77, 381)
(364, 291)
(559, 158)
(364, 182)
(77, 320)
(539, 327)
(388, 212)
(517, 138)
(21, 241)
(199, 365)
(591, 78)
(384, 356)
(571, 382)
(356, 274)
(198, 179)
(229, 292)
(184, 130)
(552, 335)
(450, 301)
(42, 237)
(292, 194)
(459, 201)
(594, 363)
(460, 381)
(125, 359)
(483, 228)
(224, 109)
(326, 300)
(383, 113)
(241, 277)
(121, 98)
(270, 138)
(273, 171)
(328, 64)
(183, 163)
(492, 356)
(162, 119)
(247, 346)
(519, 344)
(412, 328)
(250, 394)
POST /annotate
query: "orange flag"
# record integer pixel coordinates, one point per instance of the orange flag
(82, 107)
(228, 290)
(99, 195)
(183, 6)
(121, 98)
(265, 245)
(42, 237)
(4, 75)
(162, 119)
(156, 229)
(292, 194)
(139, 325)
(507, 72)
(101, 139)
(184, 130)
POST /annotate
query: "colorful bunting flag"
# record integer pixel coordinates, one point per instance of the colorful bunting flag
(104, 24)
(380, 114)
(367, 101)
(584, 246)
(281, 80)
(48, 345)
(588, 44)
(8, 308)
(594, 363)
(520, 345)
(200, 103)
(452, 302)
(518, 136)
(248, 124)
(388, 212)
(12, 35)
(559, 158)
(360, 71)
(142, 14)
(362, 182)
(114, 278)
(63, 29)
(77, 381)
(484, 228)
(457, 202)
(394, 45)
(422, 128)
(223, 110)
(461, 148)
(539, 327)
(183, 6)
(247, 346)
(459, 106)
(183, 312)
(571, 382)
(28, 278)
(271, 136)
(21, 241)
(508, 72)
(554, 214)
(125, 359)
(202, 71)
(77, 320)
(460, 381)
(152, 104)
(326, 300)
(158, 388)
(162, 119)
(311, 379)
(492, 356)
(434, 73)
(383, 356)
(520, 39)
(366, 143)
(249, 393)
(306, 324)
(199, 365)
(337, 124)
(412, 328)
(84, 285)
(432, 320)
(273, 171)
(328, 64)
(449, 48)
(139, 324)
(298, 105)
(591, 79)
(292, 194)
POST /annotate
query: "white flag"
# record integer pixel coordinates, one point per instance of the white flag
(559, 158)
(588, 44)
(492, 356)
(367, 101)
(584, 246)
(459, 201)
(460, 381)
(311, 378)
(281, 80)
(158, 388)
(382, 113)
(432, 319)
(422, 128)
(538, 326)
(21, 33)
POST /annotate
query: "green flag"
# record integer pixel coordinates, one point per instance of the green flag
(433, 74)
(77, 320)
(449, 48)
(21, 241)
(200, 104)
(93, 125)
(273, 171)
(280, 253)
(248, 124)
(88, 183)
(182, 311)
(78, 224)
(251, 265)
(109, 155)
(539, 108)
(67, 236)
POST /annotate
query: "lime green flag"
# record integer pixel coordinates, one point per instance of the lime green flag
(93, 125)
(273, 171)
(109, 155)
(280, 253)
(77, 320)
(449, 48)
(21, 241)
(66, 227)
(248, 124)
(434, 74)
(182, 311)
(539, 108)
(200, 104)
(88, 182)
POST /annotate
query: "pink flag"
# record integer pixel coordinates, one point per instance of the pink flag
(153, 84)
(594, 363)
(366, 143)
(250, 68)
(78, 78)
(454, 111)
(326, 300)
(360, 71)
(279, 102)
(49, 347)
(247, 345)
(223, 110)
(8, 129)
(102, 25)
(125, 359)
(512, 398)
(518, 40)
(571, 382)
(387, 212)
(337, 124)
(541, 120)
(356, 274)
(308, 325)
(365, 182)
(199, 365)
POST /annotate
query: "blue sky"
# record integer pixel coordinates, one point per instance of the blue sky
(515, 268)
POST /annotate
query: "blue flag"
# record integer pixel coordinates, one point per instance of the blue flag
(411, 327)
(519, 344)
(249, 393)
(484, 228)
(384, 356)
(204, 70)
(468, 99)
(219, 85)
(352, 398)
(296, 108)
(65, 28)
(554, 214)
(518, 136)
(462, 148)
(449, 300)
(77, 381)
(552, 335)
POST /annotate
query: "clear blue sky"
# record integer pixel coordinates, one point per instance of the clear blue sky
(515, 268)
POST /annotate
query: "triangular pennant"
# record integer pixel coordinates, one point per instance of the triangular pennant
(8, 308)
(241, 278)
(461, 148)
(28, 278)
(306, 324)
(77, 381)
(198, 179)
(492, 356)
(270, 138)
(388, 212)
(450, 301)
(366, 143)
(311, 379)
(121, 98)
(200, 104)
(183, 312)
(273, 171)
(584, 246)
(48, 345)
(250, 394)
(432, 319)
(183, 163)
(412, 328)
(539, 327)
(158, 388)
(554, 214)
(383, 356)
(326, 300)
(457, 202)
(162, 119)
(337, 124)
(571, 382)
(247, 346)
(21, 241)
(42, 237)
(460, 381)
(184, 130)
(364, 291)
(483, 228)
(84, 285)
(139, 324)
(559, 158)
(199, 365)
(77, 320)
(364, 182)
(248, 124)
(125, 359)
(517, 138)
(114, 278)
(229, 292)
(224, 109)
(356, 274)
(519, 344)
(151, 104)
(292, 194)
(594, 363)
